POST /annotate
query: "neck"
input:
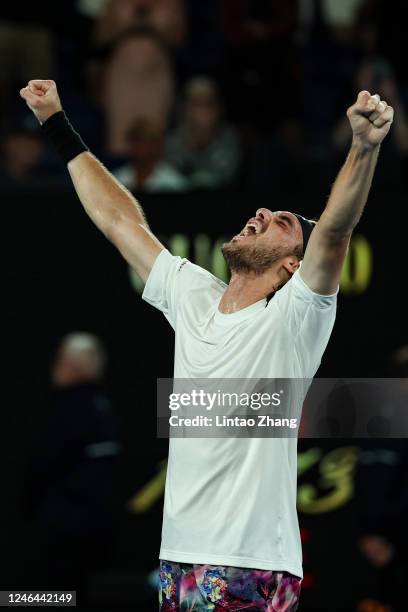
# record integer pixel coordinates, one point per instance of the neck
(247, 288)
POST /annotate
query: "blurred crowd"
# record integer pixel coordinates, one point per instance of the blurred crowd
(72, 502)
(175, 95)
(69, 485)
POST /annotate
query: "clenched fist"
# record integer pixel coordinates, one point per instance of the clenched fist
(42, 98)
(370, 119)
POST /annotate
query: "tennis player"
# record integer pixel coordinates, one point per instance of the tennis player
(230, 538)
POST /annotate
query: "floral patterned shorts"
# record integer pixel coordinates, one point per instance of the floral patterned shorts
(199, 588)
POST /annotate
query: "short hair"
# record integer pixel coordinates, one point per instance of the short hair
(86, 344)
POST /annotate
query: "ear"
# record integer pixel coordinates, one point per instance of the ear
(290, 264)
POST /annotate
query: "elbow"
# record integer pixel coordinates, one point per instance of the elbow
(336, 229)
(121, 228)
(339, 236)
(335, 239)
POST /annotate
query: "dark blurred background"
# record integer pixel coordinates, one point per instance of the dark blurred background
(206, 110)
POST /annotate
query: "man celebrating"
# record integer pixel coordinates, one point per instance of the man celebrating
(230, 535)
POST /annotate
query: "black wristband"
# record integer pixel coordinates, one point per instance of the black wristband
(65, 139)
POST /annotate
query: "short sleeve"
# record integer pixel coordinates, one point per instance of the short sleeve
(171, 278)
(160, 288)
(310, 318)
(323, 301)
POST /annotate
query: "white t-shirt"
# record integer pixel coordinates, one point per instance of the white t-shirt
(232, 501)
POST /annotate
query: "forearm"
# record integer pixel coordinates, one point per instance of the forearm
(115, 212)
(350, 191)
(112, 208)
(104, 199)
(370, 120)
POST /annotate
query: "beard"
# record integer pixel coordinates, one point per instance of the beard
(252, 258)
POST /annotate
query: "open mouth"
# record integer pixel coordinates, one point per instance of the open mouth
(251, 229)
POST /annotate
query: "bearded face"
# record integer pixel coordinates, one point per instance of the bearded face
(265, 240)
(255, 258)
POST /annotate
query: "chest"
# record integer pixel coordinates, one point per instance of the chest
(259, 346)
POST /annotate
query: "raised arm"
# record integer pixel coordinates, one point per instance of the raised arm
(112, 208)
(370, 120)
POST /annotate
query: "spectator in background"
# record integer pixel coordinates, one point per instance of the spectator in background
(375, 74)
(339, 17)
(382, 506)
(383, 34)
(262, 58)
(26, 48)
(382, 500)
(330, 54)
(164, 17)
(280, 157)
(69, 489)
(203, 147)
(139, 37)
(147, 171)
(21, 154)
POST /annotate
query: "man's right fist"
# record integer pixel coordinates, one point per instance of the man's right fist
(42, 98)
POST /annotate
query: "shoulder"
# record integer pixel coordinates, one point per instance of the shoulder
(304, 312)
(296, 288)
(181, 270)
(200, 277)
(175, 280)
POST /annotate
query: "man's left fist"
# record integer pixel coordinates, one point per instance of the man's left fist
(370, 119)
